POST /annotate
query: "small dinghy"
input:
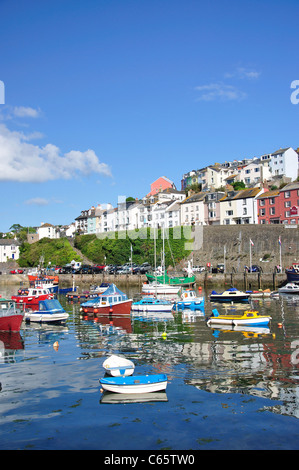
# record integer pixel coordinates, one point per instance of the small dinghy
(135, 384)
(118, 366)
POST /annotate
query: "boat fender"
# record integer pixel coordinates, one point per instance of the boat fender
(215, 313)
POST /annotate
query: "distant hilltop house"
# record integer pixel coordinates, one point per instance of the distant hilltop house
(160, 185)
(9, 249)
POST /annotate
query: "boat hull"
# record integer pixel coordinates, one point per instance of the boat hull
(11, 322)
(120, 308)
(151, 307)
(229, 298)
(38, 317)
(158, 288)
(248, 319)
(191, 305)
(135, 384)
(30, 300)
(292, 276)
(173, 281)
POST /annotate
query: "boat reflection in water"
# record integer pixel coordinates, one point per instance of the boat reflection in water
(111, 398)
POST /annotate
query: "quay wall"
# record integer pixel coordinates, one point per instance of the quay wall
(231, 243)
(205, 280)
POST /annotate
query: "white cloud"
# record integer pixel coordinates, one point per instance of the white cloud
(37, 201)
(243, 73)
(22, 111)
(219, 91)
(25, 162)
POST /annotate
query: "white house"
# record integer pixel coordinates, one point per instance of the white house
(240, 207)
(48, 231)
(192, 209)
(9, 249)
(284, 162)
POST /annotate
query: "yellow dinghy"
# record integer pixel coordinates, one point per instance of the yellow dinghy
(249, 317)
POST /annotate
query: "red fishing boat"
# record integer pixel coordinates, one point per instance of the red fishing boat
(112, 300)
(31, 296)
(10, 317)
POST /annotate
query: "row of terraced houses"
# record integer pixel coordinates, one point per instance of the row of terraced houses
(217, 203)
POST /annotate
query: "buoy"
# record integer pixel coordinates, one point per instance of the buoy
(56, 345)
(164, 335)
(279, 325)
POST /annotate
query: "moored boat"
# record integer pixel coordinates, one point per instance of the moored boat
(10, 316)
(289, 288)
(45, 283)
(32, 296)
(112, 300)
(230, 295)
(118, 366)
(249, 318)
(156, 288)
(172, 280)
(293, 273)
(49, 311)
(135, 384)
(189, 300)
(152, 304)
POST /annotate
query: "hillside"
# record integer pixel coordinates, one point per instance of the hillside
(57, 252)
(116, 249)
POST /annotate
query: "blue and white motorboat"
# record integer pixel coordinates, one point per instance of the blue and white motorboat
(135, 384)
(190, 301)
(152, 304)
(230, 295)
(49, 311)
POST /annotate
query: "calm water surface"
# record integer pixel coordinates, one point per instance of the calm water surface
(227, 389)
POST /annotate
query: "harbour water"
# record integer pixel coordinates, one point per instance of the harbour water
(227, 389)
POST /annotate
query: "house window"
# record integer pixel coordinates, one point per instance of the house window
(272, 201)
(287, 194)
(262, 202)
(287, 204)
(262, 212)
(272, 210)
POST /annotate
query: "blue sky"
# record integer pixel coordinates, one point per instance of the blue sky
(104, 96)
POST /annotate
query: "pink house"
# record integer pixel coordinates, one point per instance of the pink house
(160, 184)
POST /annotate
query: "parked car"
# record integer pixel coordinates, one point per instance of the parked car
(17, 271)
(98, 268)
(84, 269)
(145, 268)
(254, 269)
(124, 270)
(198, 269)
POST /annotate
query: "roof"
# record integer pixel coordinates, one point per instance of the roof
(9, 241)
(273, 193)
(194, 198)
(246, 193)
(280, 151)
(290, 186)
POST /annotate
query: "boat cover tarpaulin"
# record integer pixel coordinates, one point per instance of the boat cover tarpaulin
(50, 304)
